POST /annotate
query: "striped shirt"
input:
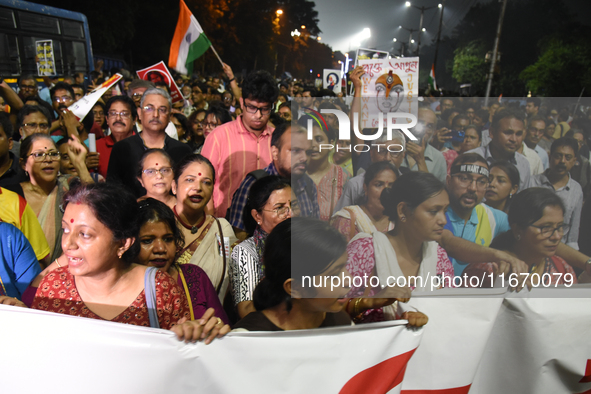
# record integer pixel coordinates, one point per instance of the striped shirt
(572, 198)
(234, 152)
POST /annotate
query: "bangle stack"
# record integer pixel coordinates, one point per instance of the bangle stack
(357, 315)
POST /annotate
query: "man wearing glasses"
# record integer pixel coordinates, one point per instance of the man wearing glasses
(236, 148)
(467, 217)
(121, 117)
(563, 156)
(31, 119)
(154, 114)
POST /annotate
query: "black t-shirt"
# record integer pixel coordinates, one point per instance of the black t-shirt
(257, 321)
(14, 174)
(126, 155)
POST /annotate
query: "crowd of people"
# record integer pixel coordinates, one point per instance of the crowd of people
(208, 213)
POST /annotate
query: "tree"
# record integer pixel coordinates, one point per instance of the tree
(469, 65)
(562, 69)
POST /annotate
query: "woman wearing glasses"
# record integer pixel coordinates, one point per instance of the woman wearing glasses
(269, 203)
(40, 159)
(536, 217)
(155, 175)
(207, 239)
(215, 116)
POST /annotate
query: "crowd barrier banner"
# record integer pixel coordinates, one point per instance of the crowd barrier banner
(540, 343)
(454, 339)
(46, 352)
(486, 343)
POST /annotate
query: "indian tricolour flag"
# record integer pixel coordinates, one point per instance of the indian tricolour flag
(189, 41)
(432, 82)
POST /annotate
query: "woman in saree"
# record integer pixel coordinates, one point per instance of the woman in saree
(44, 190)
(207, 239)
(100, 279)
(368, 217)
(156, 245)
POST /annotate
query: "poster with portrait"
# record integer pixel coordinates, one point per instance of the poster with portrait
(45, 58)
(389, 85)
(332, 80)
(159, 73)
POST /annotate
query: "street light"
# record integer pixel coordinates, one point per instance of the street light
(422, 9)
(394, 39)
(279, 12)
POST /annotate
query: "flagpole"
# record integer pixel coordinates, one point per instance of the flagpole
(216, 55)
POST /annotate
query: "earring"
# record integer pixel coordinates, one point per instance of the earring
(27, 174)
(518, 237)
(403, 218)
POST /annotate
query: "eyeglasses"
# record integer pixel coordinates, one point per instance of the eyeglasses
(548, 231)
(151, 172)
(384, 153)
(40, 156)
(28, 87)
(284, 210)
(62, 99)
(98, 113)
(137, 96)
(465, 181)
(34, 126)
(149, 109)
(123, 114)
(251, 109)
(209, 125)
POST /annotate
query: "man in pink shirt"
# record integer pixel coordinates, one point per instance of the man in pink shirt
(244, 145)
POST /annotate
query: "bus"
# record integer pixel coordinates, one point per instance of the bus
(26, 27)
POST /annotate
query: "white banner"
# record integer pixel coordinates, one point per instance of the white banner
(482, 343)
(83, 106)
(46, 352)
(541, 343)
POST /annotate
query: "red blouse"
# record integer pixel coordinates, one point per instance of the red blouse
(57, 293)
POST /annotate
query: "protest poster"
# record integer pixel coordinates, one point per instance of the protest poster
(332, 80)
(45, 58)
(389, 86)
(159, 73)
(83, 106)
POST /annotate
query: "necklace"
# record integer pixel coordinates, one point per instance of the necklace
(194, 228)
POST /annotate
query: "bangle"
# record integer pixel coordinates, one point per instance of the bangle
(233, 79)
(356, 308)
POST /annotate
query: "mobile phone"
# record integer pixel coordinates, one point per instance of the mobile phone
(457, 135)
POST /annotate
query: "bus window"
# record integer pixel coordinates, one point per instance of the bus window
(75, 57)
(38, 23)
(7, 19)
(72, 29)
(9, 58)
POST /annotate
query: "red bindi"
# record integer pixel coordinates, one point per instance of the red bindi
(156, 163)
(199, 174)
(71, 220)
